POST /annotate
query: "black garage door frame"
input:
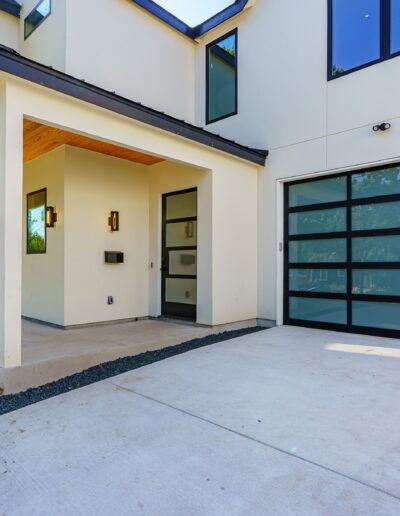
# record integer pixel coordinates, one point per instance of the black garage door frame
(349, 296)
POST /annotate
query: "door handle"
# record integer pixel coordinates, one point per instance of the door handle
(163, 267)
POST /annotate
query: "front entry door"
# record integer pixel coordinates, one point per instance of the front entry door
(179, 254)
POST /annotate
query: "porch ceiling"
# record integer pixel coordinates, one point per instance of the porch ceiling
(40, 139)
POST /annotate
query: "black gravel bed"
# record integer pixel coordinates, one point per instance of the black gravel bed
(11, 402)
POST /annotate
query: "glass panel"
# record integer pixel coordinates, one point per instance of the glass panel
(383, 282)
(315, 251)
(181, 234)
(395, 26)
(35, 18)
(183, 263)
(319, 221)
(355, 33)
(180, 291)
(222, 78)
(376, 249)
(318, 280)
(182, 205)
(376, 315)
(319, 310)
(316, 192)
(376, 216)
(378, 182)
(36, 222)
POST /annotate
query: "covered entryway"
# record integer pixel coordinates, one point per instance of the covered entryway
(342, 252)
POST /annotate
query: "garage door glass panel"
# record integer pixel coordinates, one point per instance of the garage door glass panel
(376, 216)
(395, 26)
(182, 206)
(318, 280)
(317, 221)
(318, 251)
(180, 291)
(317, 192)
(332, 311)
(376, 315)
(376, 183)
(381, 282)
(181, 234)
(183, 263)
(376, 249)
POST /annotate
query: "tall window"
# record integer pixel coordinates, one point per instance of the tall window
(36, 222)
(222, 78)
(362, 32)
(36, 17)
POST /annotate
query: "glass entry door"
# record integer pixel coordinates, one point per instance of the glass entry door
(342, 252)
(179, 254)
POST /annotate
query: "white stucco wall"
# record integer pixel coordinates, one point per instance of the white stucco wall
(120, 47)
(43, 274)
(9, 30)
(47, 44)
(95, 185)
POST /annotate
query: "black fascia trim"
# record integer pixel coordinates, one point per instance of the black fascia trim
(10, 7)
(14, 64)
(199, 30)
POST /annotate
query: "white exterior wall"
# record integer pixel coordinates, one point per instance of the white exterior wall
(47, 44)
(9, 30)
(95, 185)
(120, 47)
(43, 274)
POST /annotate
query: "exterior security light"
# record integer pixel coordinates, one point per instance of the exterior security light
(51, 217)
(113, 221)
(384, 126)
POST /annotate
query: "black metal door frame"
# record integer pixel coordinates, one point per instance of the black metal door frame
(168, 309)
(348, 266)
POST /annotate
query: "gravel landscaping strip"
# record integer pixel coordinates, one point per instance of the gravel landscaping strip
(11, 402)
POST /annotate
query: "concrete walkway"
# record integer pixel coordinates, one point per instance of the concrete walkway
(288, 421)
(49, 354)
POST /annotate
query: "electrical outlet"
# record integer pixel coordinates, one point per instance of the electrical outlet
(110, 300)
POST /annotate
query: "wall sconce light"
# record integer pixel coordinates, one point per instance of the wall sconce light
(384, 126)
(113, 221)
(51, 217)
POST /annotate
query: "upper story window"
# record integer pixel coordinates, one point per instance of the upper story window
(362, 33)
(36, 17)
(221, 78)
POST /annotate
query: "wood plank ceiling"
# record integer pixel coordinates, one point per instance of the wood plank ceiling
(40, 139)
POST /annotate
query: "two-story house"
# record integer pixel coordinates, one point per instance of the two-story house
(246, 168)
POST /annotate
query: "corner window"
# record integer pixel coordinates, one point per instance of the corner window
(362, 33)
(36, 17)
(36, 222)
(221, 78)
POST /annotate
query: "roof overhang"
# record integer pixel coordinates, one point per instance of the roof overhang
(193, 32)
(13, 63)
(11, 7)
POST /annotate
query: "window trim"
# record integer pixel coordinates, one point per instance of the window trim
(385, 40)
(28, 252)
(235, 111)
(41, 21)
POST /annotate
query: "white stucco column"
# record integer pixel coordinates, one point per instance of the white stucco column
(11, 178)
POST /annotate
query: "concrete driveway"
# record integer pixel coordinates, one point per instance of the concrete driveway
(287, 421)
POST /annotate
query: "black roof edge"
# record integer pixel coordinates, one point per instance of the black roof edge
(199, 30)
(11, 7)
(13, 63)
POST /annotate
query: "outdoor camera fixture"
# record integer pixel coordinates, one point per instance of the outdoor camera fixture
(384, 126)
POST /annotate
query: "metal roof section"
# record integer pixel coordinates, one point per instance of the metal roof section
(13, 63)
(11, 7)
(201, 29)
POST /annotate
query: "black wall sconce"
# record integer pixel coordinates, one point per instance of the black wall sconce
(384, 126)
(51, 217)
(113, 221)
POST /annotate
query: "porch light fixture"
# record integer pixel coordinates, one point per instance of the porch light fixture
(51, 217)
(384, 126)
(113, 221)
